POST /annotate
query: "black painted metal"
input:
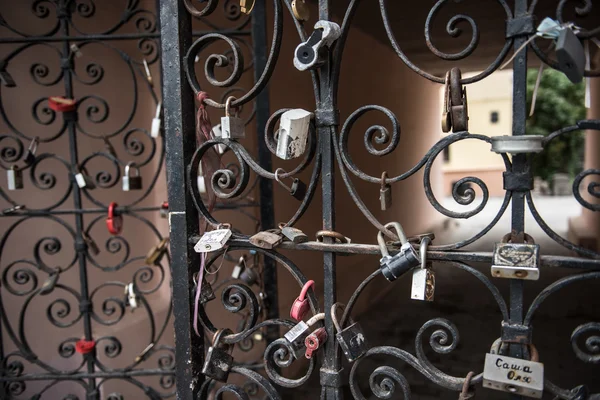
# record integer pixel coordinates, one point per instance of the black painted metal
(329, 154)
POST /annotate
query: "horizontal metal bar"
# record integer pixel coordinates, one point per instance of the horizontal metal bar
(118, 210)
(123, 36)
(459, 256)
(85, 375)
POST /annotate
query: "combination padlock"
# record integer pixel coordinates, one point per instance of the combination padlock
(514, 375)
(31, 150)
(314, 341)
(156, 122)
(293, 133)
(301, 305)
(311, 54)
(268, 239)
(351, 339)
(218, 361)
(83, 180)
(294, 235)
(131, 182)
(238, 268)
(14, 178)
(298, 188)
(423, 279)
(214, 240)
(232, 127)
(385, 193)
(406, 259)
(516, 260)
(570, 55)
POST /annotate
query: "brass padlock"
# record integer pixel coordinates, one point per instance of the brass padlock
(459, 112)
(156, 253)
(300, 10)
(246, 6)
(267, 239)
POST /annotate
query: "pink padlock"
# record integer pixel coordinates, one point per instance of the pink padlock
(301, 306)
(314, 341)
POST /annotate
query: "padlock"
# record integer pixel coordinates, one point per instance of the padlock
(385, 193)
(200, 180)
(267, 239)
(131, 182)
(213, 240)
(446, 118)
(50, 283)
(294, 235)
(311, 54)
(148, 74)
(131, 296)
(459, 113)
(61, 104)
(218, 134)
(298, 188)
(314, 341)
(156, 122)
(156, 253)
(246, 6)
(14, 178)
(514, 375)
(300, 10)
(164, 209)
(206, 291)
(239, 268)
(114, 221)
(232, 127)
(83, 180)
(423, 279)
(31, 150)
(296, 337)
(301, 305)
(293, 133)
(76, 51)
(91, 244)
(351, 339)
(516, 260)
(5, 77)
(406, 259)
(570, 55)
(219, 361)
(249, 276)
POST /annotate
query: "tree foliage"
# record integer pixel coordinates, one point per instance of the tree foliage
(559, 104)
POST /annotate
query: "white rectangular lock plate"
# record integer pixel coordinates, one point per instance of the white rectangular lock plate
(293, 334)
(80, 179)
(155, 130)
(11, 178)
(217, 133)
(502, 271)
(235, 273)
(233, 128)
(213, 240)
(293, 133)
(514, 375)
(126, 183)
(419, 284)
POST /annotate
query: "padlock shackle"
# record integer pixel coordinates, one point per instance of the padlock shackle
(305, 288)
(228, 102)
(381, 240)
(384, 178)
(277, 172)
(315, 318)
(218, 334)
(334, 319)
(423, 251)
(33, 145)
(128, 166)
(158, 109)
(456, 89)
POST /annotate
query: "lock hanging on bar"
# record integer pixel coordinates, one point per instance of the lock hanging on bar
(570, 55)
(300, 10)
(156, 253)
(423, 279)
(213, 240)
(293, 133)
(406, 259)
(31, 150)
(455, 115)
(14, 178)
(131, 182)
(239, 268)
(516, 260)
(301, 305)
(218, 134)
(311, 54)
(351, 339)
(298, 188)
(294, 235)
(232, 127)
(83, 180)
(5, 77)
(268, 239)
(218, 361)
(385, 193)
(156, 121)
(297, 335)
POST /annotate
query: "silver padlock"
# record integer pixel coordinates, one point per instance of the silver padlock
(232, 127)
(311, 54)
(516, 260)
(218, 134)
(14, 178)
(423, 279)
(293, 133)
(514, 375)
(156, 122)
(239, 268)
(83, 180)
(296, 337)
(132, 297)
(131, 182)
(213, 240)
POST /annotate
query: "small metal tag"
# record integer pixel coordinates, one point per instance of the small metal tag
(213, 240)
(514, 375)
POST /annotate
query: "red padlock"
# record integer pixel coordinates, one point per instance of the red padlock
(301, 306)
(314, 341)
(61, 104)
(85, 346)
(114, 222)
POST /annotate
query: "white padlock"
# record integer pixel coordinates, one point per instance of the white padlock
(156, 122)
(213, 240)
(293, 133)
(218, 134)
